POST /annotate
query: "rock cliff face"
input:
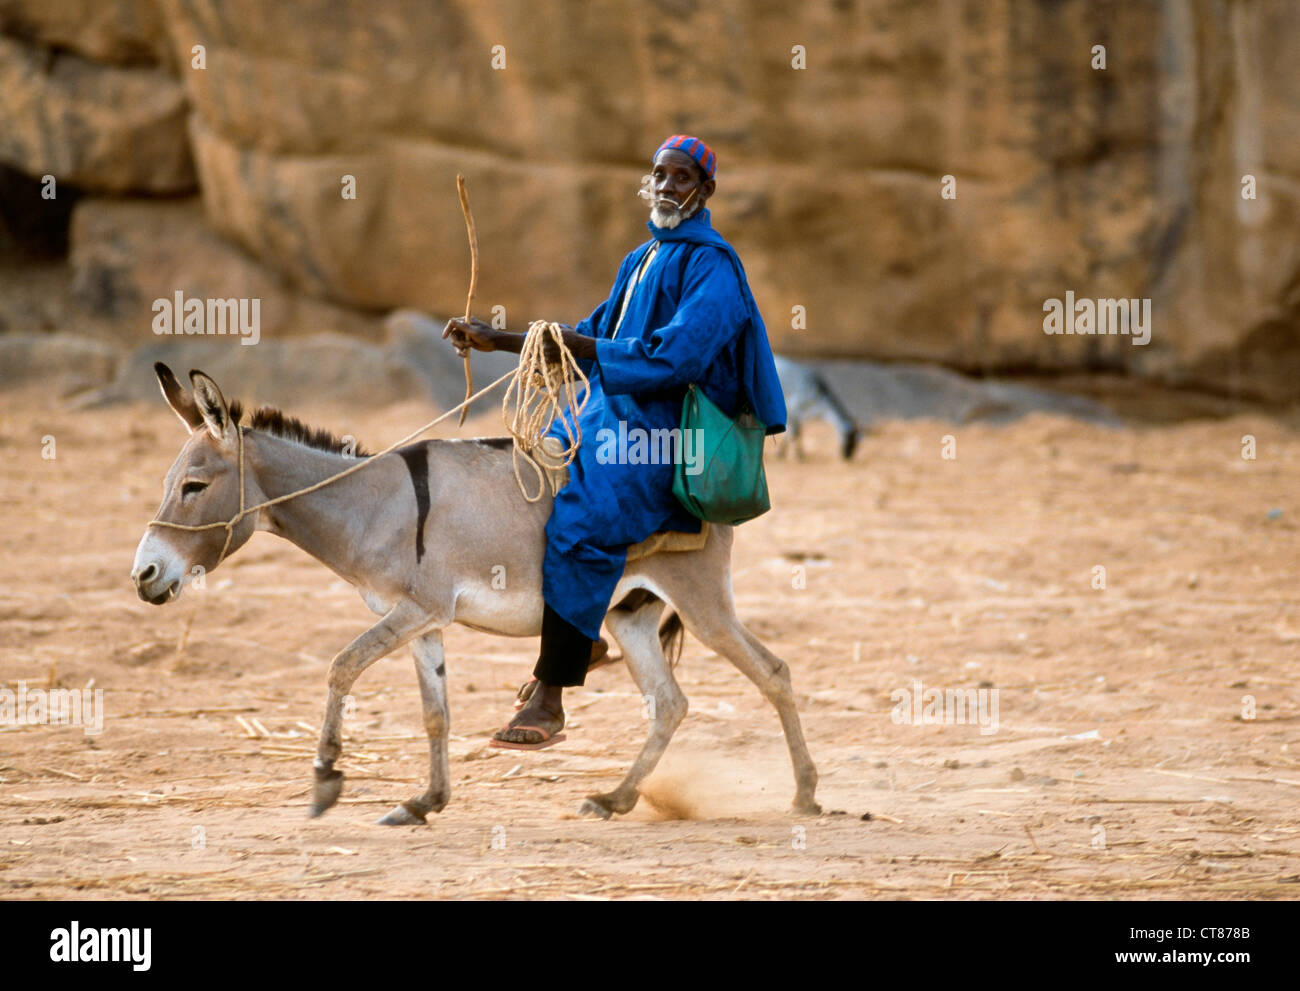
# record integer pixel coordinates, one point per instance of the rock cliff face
(1122, 181)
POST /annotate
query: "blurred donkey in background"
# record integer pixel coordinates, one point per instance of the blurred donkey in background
(808, 397)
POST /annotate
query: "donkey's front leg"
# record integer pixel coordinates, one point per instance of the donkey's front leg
(398, 626)
(432, 674)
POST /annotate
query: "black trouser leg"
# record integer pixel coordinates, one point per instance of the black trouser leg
(565, 654)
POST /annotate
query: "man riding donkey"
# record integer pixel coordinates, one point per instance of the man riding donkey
(680, 313)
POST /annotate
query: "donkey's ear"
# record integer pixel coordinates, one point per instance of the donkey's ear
(178, 398)
(212, 406)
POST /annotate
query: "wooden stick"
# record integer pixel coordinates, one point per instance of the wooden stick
(473, 281)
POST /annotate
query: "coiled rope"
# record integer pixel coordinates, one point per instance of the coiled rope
(541, 390)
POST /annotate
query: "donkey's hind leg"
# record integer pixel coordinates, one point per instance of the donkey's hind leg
(637, 631)
(432, 674)
(717, 627)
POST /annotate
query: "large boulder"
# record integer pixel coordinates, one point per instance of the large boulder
(96, 126)
(126, 254)
(61, 364)
(872, 392)
(415, 340)
(322, 367)
(118, 31)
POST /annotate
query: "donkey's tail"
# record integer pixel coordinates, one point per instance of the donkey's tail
(672, 637)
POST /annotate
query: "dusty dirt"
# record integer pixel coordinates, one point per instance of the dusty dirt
(1125, 763)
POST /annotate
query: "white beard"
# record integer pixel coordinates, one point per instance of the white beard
(670, 217)
(665, 218)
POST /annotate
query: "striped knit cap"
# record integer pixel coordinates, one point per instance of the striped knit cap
(694, 147)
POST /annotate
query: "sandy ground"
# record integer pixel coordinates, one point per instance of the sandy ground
(1125, 764)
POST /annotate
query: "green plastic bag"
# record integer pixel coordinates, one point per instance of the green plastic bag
(726, 482)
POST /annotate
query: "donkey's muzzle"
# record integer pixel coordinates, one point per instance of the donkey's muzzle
(148, 586)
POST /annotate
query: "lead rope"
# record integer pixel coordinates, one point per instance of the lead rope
(541, 390)
(247, 510)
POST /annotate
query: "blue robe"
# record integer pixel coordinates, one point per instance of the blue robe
(691, 318)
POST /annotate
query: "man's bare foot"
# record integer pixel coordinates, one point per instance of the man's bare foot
(541, 718)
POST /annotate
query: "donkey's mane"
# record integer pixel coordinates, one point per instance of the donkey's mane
(270, 420)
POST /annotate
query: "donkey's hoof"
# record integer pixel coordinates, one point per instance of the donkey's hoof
(592, 808)
(329, 785)
(402, 816)
(806, 807)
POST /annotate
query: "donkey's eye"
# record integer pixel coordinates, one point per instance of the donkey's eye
(189, 488)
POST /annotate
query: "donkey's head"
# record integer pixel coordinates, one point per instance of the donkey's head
(201, 487)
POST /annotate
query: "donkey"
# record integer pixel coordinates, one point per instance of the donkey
(421, 533)
(808, 397)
